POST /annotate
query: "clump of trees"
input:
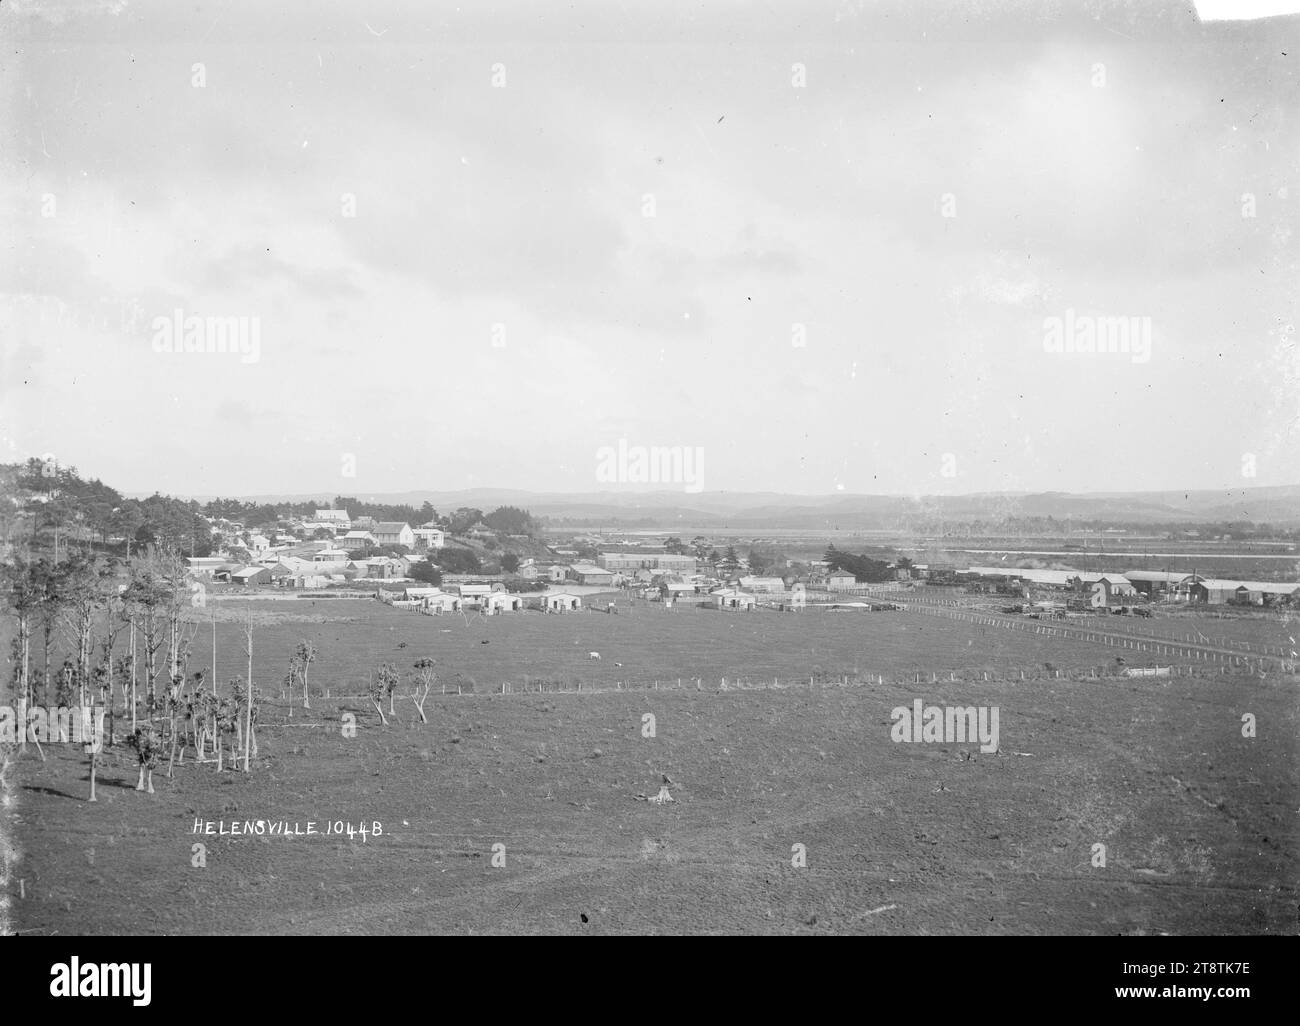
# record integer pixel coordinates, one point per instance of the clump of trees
(458, 561)
(863, 568)
(144, 741)
(383, 683)
(426, 573)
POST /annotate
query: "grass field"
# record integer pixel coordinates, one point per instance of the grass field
(651, 643)
(1199, 822)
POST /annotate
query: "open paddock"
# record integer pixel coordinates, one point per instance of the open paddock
(1198, 823)
(649, 641)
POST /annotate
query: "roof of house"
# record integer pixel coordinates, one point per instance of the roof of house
(1271, 587)
(391, 526)
(1119, 579)
(1217, 584)
(1158, 576)
(1057, 577)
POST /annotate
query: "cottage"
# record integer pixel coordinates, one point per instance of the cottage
(1162, 582)
(280, 574)
(427, 536)
(354, 540)
(734, 598)
(561, 602)
(1216, 592)
(251, 575)
(503, 602)
(671, 588)
(394, 533)
(440, 603)
(841, 582)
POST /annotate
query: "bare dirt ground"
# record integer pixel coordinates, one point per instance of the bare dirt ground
(1199, 823)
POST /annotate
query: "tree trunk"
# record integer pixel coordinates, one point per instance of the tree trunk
(133, 696)
(150, 780)
(139, 784)
(92, 777)
(248, 711)
(380, 709)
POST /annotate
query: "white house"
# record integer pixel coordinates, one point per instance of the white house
(441, 603)
(768, 585)
(561, 602)
(354, 540)
(734, 598)
(503, 602)
(338, 519)
(841, 582)
(390, 532)
(429, 537)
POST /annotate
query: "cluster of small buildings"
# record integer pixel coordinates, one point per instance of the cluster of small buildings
(1105, 589)
(365, 531)
(323, 568)
(489, 598)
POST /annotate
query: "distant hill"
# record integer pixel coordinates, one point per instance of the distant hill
(1279, 505)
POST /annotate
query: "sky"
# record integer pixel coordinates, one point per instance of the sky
(821, 247)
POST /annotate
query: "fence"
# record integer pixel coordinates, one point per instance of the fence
(813, 682)
(1118, 639)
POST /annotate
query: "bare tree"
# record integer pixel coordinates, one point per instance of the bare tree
(425, 678)
(306, 655)
(147, 597)
(249, 625)
(225, 722)
(94, 746)
(85, 586)
(22, 581)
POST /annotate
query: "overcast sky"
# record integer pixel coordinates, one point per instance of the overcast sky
(910, 190)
